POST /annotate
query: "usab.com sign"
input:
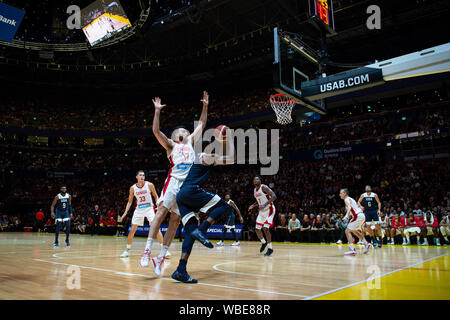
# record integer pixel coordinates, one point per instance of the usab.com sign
(10, 19)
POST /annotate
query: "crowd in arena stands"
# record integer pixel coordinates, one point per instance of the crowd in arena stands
(10, 223)
(367, 128)
(295, 139)
(119, 116)
(308, 204)
(116, 117)
(30, 159)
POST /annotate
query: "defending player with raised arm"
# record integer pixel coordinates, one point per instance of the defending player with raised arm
(142, 190)
(191, 200)
(180, 152)
(357, 219)
(264, 201)
(63, 204)
(371, 205)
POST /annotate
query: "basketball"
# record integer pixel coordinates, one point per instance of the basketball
(221, 132)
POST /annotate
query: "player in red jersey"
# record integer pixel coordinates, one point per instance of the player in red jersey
(180, 152)
(356, 222)
(430, 228)
(142, 190)
(264, 201)
(397, 227)
(412, 227)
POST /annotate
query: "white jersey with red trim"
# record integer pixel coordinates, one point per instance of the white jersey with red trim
(181, 159)
(260, 196)
(143, 196)
(428, 222)
(384, 222)
(354, 208)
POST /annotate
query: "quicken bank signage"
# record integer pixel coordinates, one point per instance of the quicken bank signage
(331, 153)
(334, 152)
(10, 19)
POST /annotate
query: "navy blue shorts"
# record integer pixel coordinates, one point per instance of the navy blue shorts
(230, 221)
(192, 199)
(62, 215)
(371, 216)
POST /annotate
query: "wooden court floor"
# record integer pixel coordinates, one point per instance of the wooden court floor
(91, 269)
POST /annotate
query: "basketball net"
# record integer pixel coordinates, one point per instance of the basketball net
(282, 105)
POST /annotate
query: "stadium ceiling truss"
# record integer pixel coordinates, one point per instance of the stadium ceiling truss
(214, 34)
(83, 46)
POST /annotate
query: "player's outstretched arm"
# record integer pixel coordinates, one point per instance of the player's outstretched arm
(237, 210)
(52, 207)
(272, 195)
(129, 203)
(160, 136)
(201, 124)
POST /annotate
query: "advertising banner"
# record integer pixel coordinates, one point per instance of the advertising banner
(10, 19)
(215, 231)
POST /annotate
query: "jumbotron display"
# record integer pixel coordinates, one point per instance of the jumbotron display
(102, 19)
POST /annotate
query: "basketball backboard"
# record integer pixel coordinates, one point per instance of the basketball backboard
(295, 63)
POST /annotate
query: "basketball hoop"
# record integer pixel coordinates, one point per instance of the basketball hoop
(282, 105)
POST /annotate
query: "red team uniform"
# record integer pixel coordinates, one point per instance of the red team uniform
(266, 215)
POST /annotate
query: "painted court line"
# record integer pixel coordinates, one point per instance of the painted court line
(152, 277)
(379, 277)
(216, 267)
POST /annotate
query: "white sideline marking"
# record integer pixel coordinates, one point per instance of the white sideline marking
(371, 279)
(153, 277)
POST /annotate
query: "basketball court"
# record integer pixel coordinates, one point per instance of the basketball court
(32, 269)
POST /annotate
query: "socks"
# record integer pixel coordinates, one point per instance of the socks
(149, 243)
(269, 245)
(407, 237)
(128, 247)
(163, 251)
(352, 247)
(262, 240)
(182, 265)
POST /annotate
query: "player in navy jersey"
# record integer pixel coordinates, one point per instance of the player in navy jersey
(191, 199)
(229, 224)
(371, 205)
(63, 204)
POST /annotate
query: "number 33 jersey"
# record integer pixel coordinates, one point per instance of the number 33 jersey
(143, 196)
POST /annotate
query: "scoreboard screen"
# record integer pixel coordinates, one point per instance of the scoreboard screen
(322, 11)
